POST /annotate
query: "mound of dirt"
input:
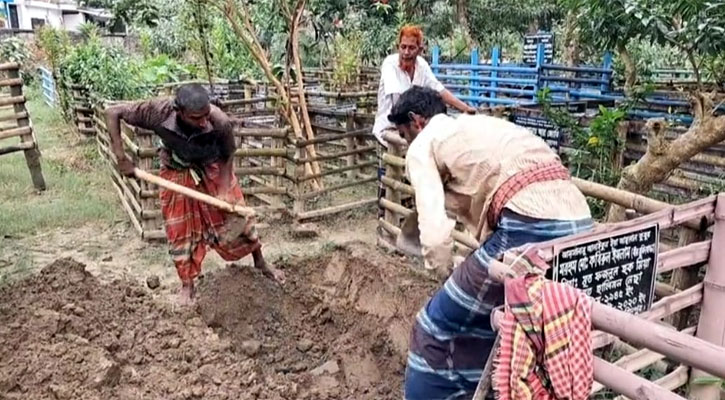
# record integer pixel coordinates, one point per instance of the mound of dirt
(337, 330)
(63, 335)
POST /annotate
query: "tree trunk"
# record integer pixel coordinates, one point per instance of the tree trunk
(571, 40)
(630, 68)
(462, 17)
(663, 157)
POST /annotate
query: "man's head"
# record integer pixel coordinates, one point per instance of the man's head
(410, 43)
(414, 109)
(192, 106)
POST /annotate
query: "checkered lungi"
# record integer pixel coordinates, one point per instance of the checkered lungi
(191, 225)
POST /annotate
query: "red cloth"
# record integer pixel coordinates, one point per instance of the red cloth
(191, 225)
(517, 182)
(546, 349)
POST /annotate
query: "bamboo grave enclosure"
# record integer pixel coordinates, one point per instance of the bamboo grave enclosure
(269, 160)
(680, 340)
(15, 122)
(700, 176)
(685, 246)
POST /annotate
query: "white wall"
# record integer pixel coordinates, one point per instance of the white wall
(52, 16)
(72, 21)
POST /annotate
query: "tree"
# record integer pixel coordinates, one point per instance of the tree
(609, 25)
(697, 28)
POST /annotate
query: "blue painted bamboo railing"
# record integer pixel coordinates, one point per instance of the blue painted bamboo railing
(48, 85)
(496, 83)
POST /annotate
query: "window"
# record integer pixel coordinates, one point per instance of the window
(37, 23)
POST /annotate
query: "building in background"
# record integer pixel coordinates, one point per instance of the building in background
(34, 14)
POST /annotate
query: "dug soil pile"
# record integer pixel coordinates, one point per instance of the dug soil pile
(337, 330)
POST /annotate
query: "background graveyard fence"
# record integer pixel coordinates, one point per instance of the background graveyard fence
(269, 160)
(15, 122)
(700, 176)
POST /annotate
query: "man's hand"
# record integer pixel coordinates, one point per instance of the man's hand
(125, 166)
(470, 110)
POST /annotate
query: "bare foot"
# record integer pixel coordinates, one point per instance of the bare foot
(186, 294)
(274, 273)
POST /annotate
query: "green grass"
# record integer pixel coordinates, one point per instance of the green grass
(78, 188)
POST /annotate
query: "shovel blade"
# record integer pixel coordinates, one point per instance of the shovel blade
(408, 241)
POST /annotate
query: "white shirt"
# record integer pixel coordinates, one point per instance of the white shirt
(394, 80)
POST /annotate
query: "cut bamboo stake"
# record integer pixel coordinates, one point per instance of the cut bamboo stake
(711, 326)
(211, 200)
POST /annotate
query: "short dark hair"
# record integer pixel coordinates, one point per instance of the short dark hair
(420, 100)
(191, 97)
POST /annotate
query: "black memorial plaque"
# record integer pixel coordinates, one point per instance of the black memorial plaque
(531, 43)
(618, 271)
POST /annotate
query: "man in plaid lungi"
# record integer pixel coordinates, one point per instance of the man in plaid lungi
(197, 151)
(509, 189)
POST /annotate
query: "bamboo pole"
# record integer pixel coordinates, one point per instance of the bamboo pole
(203, 197)
(335, 209)
(14, 117)
(8, 133)
(711, 326)
(327, 189)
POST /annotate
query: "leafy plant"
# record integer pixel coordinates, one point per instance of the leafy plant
(163, 69)
(89, 31)
(15, 50)
(104, 71)
(595, 147)
(346, 59)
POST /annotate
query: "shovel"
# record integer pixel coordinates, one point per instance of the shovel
(241, 225)
(408, 240)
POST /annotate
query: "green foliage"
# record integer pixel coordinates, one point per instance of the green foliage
(595, 147)
(13, 49)
(89, 31)
(230, 58)
(55, 43)
(649, 56)
(105, 71)
(164, 69)
(346, 59)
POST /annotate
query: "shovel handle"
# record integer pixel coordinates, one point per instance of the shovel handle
(196, 195)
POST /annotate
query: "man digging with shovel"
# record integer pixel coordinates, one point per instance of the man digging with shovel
(510, 189)
(197, 152)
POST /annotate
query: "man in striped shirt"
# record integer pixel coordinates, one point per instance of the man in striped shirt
(509, 189)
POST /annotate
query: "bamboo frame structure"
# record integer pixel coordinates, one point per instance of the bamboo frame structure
(16, 123)
(697, 355)
(269, 159)
(686, 245)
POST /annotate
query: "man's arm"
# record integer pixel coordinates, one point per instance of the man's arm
(432, 82)
(453, 101)
(435, 226)
(145, 115)
(227, 177)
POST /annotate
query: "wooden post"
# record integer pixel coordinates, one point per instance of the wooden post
(350, 145)
(32, 155)
(711, 326)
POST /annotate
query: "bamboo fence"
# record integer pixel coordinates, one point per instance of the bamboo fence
(15, 122)
(82, 110)
(685, 244)
(683, 352)
(269, 160)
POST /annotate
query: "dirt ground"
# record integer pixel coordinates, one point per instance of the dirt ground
(338, 329)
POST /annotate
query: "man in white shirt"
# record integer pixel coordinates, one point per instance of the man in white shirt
(400, 72)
